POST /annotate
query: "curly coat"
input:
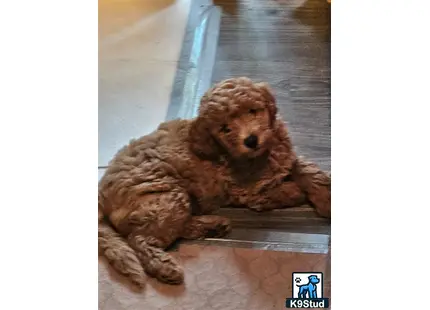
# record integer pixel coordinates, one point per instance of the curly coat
(167, 184)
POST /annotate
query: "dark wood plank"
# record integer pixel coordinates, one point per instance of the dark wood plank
(294, 220)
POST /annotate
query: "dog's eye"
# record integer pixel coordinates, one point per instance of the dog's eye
(253, 111)
(225, 129)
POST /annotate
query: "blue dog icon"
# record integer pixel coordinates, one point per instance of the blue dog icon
(309, 290)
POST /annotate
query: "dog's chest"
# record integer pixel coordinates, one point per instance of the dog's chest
(247, 182)
(206, 187)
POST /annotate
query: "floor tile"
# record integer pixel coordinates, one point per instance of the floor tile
(139, 47)
(101, 172)
(216, 278)
(132, 102)
(133, 29)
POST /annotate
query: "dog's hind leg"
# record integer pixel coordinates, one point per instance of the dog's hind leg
(209, 226)
(157, 223)
(119, 254)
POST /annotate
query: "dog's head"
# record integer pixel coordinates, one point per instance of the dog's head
(237, 117)
(314, 279)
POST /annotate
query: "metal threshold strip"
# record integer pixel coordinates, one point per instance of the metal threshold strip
(293, 242)
(197, 60)
(291, 230)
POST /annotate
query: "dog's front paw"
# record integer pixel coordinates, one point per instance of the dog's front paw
(221, 228)
(207, 226)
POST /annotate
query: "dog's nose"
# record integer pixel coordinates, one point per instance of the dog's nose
(251, 141)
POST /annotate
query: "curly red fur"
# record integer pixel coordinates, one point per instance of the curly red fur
(165, 185)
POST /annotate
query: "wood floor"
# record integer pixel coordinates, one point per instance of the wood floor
(286, 43)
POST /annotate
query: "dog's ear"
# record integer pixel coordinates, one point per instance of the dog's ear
(270, 100)
(281, 144)
(201, 141)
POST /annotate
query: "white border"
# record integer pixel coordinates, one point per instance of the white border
(380, 154)
(380, 151)
(48, 128)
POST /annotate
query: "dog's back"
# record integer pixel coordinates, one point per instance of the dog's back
(144, 165)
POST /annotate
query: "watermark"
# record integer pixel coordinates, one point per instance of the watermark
(307, 291)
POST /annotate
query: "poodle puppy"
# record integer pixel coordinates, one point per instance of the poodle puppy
(168, 184)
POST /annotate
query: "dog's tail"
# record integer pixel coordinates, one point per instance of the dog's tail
(118, 253)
